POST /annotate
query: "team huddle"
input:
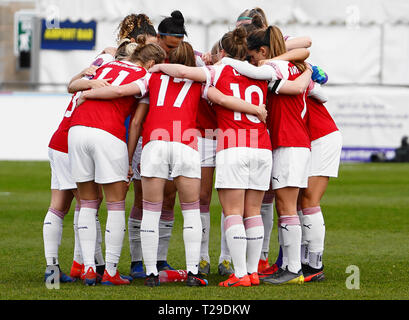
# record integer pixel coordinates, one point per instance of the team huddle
(249, 115)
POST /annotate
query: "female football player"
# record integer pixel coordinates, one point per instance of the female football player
(171, 32)
(64, 189)
(207, 144)
(98, 155)
(171, 96)
(326, 145)
(131, 27)
(243, 156)
(290, 141)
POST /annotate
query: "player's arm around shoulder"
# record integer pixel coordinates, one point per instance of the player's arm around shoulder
(86, 84)
(113, 92)
(294, 87)
(181, 71)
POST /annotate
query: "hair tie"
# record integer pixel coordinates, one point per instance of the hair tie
(178, 35)
(244, 18)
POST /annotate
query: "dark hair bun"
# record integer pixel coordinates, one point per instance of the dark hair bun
(239, 35)
(257, 21)
(141, 40)
(177, 17)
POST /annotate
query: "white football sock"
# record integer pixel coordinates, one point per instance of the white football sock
(77, 245)
(237, 243)
(304, 243)
(224, 249)
(99, 257)
(314, 230)
(192, 234)
(291, 237)
(284, 258)
(134, 227)
(267, 214)
(255, 235)
(205, 218)
(150, 235)
(114, 235)
(165, 232)
(52, 233)
(87, 231)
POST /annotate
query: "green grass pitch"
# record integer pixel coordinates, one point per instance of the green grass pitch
(367, 224)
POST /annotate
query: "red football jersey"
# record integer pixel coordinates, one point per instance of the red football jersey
(237, 129)
(173, 104)
(287, 121)
(206, 121)
(59, 140)
(319, 121)
(110, 115)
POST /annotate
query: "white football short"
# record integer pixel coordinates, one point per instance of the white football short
(61, 178)
(326, 154)
(136, 161)
(291, 167)
(96, 155)
(243, 168)
(207, 150)
(164, 159)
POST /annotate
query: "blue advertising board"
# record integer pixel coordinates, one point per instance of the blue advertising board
(69, 36)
